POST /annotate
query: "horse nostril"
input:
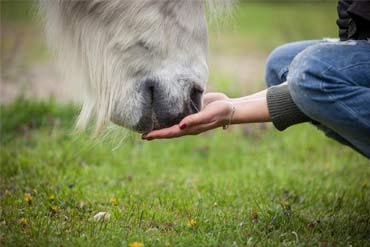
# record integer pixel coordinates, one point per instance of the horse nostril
(151, 94)
(195, 99)
(149, 91)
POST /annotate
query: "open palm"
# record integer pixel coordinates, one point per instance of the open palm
(215, 113)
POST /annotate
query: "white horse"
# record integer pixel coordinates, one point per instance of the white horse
(144, 62)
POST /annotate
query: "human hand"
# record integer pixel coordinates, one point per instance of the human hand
(215, 113)
(211, 97)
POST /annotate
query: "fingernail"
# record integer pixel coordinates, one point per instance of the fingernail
(182, 126)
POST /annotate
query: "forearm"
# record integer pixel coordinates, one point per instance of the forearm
(273, 104)
(251, 109)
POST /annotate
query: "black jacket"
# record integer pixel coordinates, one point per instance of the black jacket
(354, 19)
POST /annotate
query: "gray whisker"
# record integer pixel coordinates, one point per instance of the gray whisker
(194, 105)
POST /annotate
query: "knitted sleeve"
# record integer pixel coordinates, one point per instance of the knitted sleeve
(283, 111)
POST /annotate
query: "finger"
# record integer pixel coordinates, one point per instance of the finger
(195, 119)
(211, 97)
(177, 130)
(195, 130)
(173, 131)
(207, 99)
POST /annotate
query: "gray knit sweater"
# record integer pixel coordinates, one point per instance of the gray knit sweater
(283, 111)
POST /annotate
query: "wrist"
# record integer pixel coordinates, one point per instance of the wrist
(251, 109)
(228, 120)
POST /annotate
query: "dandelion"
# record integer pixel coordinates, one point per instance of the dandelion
(52, 197)
(28, 198)
(114, 201)
(136, 244)
(23, 221)
(54, 209)
(191, 223)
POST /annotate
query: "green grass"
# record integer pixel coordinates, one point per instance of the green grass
(247, 186)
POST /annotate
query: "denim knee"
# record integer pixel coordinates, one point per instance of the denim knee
(275, 69)
(277, 65)
(329, 83)
(305, 83)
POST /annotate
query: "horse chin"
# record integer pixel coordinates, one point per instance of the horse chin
(147, 123)
(154, 122)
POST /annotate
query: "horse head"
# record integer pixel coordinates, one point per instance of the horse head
(143, 62)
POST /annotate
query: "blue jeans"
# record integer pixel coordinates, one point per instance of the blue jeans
(330, 83)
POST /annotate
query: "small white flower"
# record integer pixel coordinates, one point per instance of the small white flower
(102, 216)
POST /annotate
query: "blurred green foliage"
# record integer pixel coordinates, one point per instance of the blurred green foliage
(262, 26)
(24, 115)
(17, 10)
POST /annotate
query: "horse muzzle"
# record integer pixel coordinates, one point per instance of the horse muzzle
(163, 108)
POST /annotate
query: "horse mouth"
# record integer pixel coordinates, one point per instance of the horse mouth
(160, 112)
(155, 121)
(149, 121)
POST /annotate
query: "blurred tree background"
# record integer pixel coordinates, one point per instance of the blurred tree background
(240, 42)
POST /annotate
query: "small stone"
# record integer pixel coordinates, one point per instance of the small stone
(102, 216)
